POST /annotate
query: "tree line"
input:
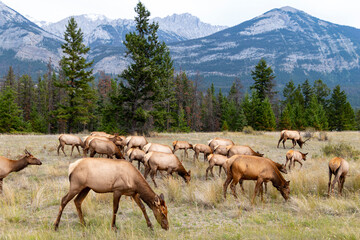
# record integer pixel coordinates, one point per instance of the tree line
(150, 96)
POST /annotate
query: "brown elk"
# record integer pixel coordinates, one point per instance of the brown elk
(221, 149)
(135, 142)
(104, 147)
(182, 145)
(219, 141)
(295, 156)
(169, 162)
(242, 150)
(294, 136)
(136, 154)
(8, 166)
(156, 147)
(69, 139)
(117, 140)
(215, 160)
(108, 175)
(101, 134)
(261, 170)
(339, 167)
(201, 148)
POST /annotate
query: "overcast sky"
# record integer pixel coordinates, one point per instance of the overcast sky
(221, 12)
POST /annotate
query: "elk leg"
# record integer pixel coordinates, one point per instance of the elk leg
(293, 142)
(226, 184)
(78, 201)
(220, 170)
(152, 175)
(72, 149)
(92, 153)
(279, 142)
(336, 179)
(329, 184)
(116, 200)
(186, 153)
(139, 165)
(67, 198)
(298, 162)
(62, 148)
(233, 185)
(147, 171)
(207, 169)
(342, 181)
(265, 184)
(143, 209)
(287, 159)
(257, 187)
(1, 185)
(284, 142)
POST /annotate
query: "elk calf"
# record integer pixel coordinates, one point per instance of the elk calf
(104, 147)
(295, 156)
(219, 141)
(242, 150)
(136, 154)
(339, 167)
(201, 148)
(7, 165)
(69, 139)
(215, 160)
(182, 145)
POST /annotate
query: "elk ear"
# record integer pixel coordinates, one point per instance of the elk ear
(157, 201)
(162, 198)
(189, 172)
(306, 153)
(288, 182)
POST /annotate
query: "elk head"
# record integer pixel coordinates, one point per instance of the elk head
(285, 190)
(304, 155)
(160, 211)
(31, 159)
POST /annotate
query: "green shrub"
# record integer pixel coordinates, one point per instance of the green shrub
(248, 130)
(343, 150)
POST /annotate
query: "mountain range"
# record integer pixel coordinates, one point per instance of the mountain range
(295, 44)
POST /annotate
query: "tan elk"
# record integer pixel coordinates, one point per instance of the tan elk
(169, 162)
(8, 166)
(135, 142)
(106, 147)
(219, 141)
(157, 147)
(182, 145)
(221, 149)
(339, 167)
(295, 156)
(259, 169)
(69, 139)
(215, 160)
(117, 140)
(119, 177)
(136, 154)
(101, 134)
(294, 136)
(242, 150)
(201, 148)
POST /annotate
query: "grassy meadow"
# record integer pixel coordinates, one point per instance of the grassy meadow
(31, 197)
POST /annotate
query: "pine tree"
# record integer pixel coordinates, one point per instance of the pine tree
(307, 93)
(264, 81)
(288, 92)
(286, 118)
(77, 110)
(151, 67)
(322, 92)
(315, 115)
(10, 113)
(336, 113)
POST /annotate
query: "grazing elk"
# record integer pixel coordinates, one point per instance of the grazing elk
(182, 145)
(339, 167)
(157, 147)
(259, 169)
(169, 162)
(7, 165)
(201, 148)
(294, 136)
(295, 156)
(136, 154)
(215, 160)
(69, 139)
(242, 150)
(104, 147)
(117, 140)
(221, 149)
(108, 175)
(219, 141)
(135, 142)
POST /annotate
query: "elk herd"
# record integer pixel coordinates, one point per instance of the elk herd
(120, 177)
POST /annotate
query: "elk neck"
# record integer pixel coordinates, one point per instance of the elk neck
(146, 193)
(18, 165)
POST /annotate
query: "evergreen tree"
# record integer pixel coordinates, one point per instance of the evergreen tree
(10, 79)
(77, 110)
(322, 92)
(286, 118)
(264, 81)
(337, 105)
(315, 115)
(307, 93)
(288, 92)
(10, 113)
(150, 68)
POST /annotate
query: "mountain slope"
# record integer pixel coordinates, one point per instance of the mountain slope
(24, 45)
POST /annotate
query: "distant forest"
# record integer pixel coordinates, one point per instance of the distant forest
(150, 96)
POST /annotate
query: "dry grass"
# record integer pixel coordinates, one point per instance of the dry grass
(31, 197)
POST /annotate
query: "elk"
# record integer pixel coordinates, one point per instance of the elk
(136, 142)
(215, 160)
(101, 134)
(201, 148)
(219, 141)
(221, 149)
(295, 156)
(182, 145)
(156, 147)
(246, 167)
(104, 147)
(169, 162)
(242, 150)
(136, 154)
(339, 167)
(119, 177)
(69, 139)
(8, 166)
(115, 139)
(294, 136)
